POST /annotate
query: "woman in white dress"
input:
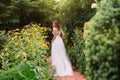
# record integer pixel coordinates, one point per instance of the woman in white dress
(60, 61)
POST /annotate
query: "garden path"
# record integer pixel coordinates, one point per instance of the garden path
(77, 75)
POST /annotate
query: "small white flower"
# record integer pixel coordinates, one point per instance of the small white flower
(94, 5)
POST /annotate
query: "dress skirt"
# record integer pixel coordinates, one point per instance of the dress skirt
(60, 61)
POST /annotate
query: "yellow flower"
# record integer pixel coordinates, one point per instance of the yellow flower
(46, 54)
(24, 53)
(18, 54)
(25, 59)
(7, 54)
(34, 49)
(44, 45)
(17, 29)
(13, 38)
(74, 44)
(16, 43)
(42, 37)
(25, 32)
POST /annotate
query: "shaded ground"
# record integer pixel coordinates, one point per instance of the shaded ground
(77, 75)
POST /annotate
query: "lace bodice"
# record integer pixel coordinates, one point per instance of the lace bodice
(55, 30)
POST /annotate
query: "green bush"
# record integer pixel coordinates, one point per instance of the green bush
(102, 47)
(76, 51)
(21, 72)
(3, 39)
(28, 45)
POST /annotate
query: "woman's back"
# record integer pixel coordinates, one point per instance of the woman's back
(56, 31)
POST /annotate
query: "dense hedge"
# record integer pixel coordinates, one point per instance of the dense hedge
(102, 47)
(75, 51)
(28, 45)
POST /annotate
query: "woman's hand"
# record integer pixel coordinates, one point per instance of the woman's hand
(51, 41)
(63, 34)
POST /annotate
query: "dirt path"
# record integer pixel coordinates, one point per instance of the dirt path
(77, 75)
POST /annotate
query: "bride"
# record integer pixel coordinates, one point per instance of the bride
(60, 61)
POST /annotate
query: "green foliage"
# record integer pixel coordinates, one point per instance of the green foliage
(76, 51)
(17, 13)
(29, 45)
(21, 72)
(3, 39)
(96, 56)
(75, 12)
(102, 47)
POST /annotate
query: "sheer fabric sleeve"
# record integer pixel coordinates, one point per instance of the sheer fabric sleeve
(54, 31)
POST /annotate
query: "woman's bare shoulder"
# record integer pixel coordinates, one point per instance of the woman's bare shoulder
(54, 28)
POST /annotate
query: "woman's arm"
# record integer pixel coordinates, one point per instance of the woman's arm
(53, 38)
(54, 35)
(63, 34)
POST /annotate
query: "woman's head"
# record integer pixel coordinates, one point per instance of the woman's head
(56, 24)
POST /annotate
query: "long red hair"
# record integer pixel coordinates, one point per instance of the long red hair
(56, 24)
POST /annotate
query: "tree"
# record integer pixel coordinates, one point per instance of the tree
(17, 13)
(74, 13)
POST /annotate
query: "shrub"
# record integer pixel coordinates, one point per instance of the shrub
(21, 72)
(3, 39)
(102, 50)
(76, 51)
(28, 45)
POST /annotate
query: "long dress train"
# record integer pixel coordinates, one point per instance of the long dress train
(60, 60)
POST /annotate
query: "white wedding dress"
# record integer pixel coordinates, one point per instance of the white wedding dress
(60, 61)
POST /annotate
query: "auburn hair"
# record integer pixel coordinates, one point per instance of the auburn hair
(56, 24)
